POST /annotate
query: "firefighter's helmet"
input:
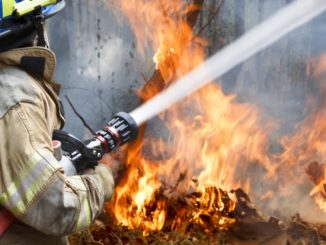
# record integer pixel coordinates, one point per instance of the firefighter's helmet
(21, 19)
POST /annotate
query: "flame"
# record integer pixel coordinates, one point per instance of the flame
(205, 145)
(209, 136)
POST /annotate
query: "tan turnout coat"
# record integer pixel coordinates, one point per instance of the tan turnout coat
(48, 205)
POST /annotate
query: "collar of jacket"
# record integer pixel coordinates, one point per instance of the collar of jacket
(37, 60)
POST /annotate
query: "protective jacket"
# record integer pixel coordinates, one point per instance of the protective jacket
(48, 204)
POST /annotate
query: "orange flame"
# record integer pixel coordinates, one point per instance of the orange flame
(210, 136)
(207, 141)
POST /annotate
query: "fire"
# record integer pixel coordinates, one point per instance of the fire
(207, 145)
(210, 136)
(160, 57)
(210, 149)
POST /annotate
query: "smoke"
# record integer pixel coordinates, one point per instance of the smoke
(276, 81)
(281, 81)
(100, 67)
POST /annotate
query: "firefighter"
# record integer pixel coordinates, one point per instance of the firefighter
(46, 204)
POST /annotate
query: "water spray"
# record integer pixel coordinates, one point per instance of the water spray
(255, 40)
(123, 128)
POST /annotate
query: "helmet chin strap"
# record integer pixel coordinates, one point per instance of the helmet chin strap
(41, 37)
(38, 21)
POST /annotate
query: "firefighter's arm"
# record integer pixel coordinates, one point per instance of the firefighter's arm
(34, 187)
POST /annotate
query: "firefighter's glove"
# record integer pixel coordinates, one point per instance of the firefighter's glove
(105, 174)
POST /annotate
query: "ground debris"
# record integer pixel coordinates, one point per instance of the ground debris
(114, 234)
(250, 227)
(302, 232)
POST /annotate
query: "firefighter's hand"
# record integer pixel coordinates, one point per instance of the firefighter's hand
(105, 174)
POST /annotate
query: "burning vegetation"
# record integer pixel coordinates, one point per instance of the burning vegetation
(190, 183)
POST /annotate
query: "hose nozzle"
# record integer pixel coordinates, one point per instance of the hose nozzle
(120, 130)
